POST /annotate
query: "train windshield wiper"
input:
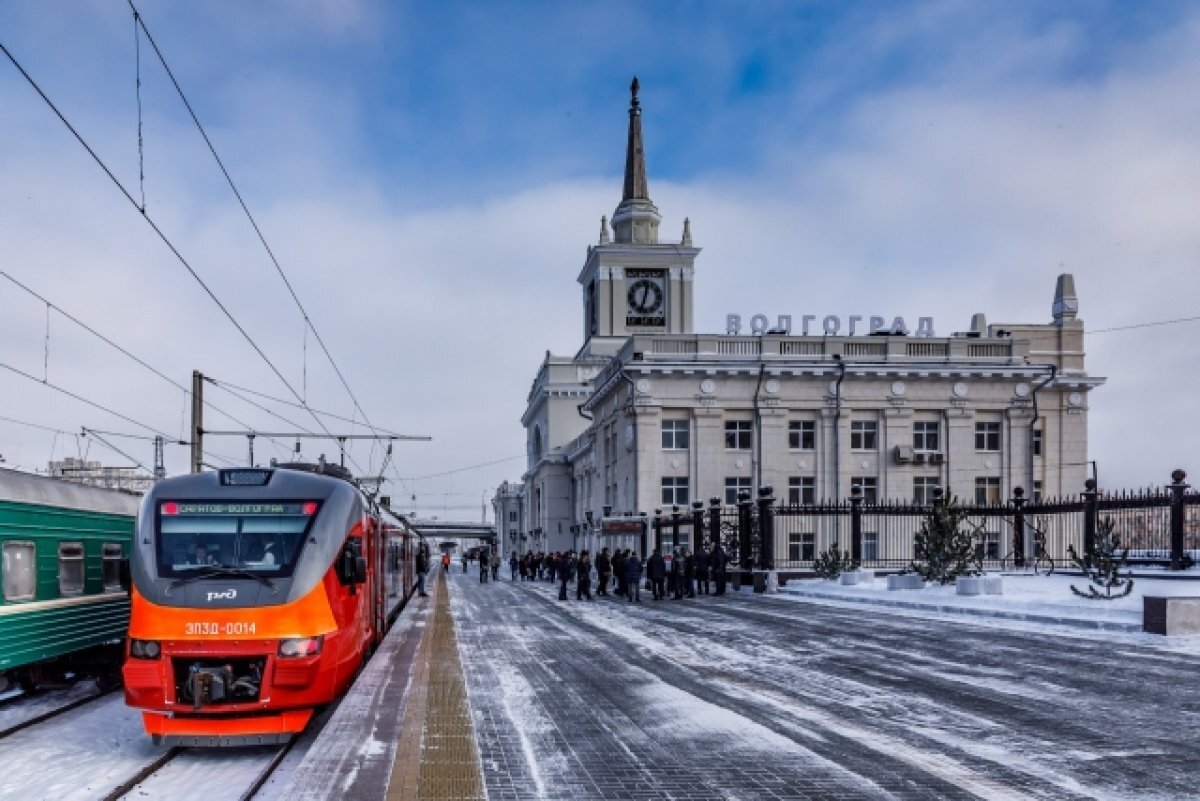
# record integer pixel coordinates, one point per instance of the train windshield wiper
(208, 571)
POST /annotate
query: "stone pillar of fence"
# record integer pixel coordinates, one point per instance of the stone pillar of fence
(697, 524)
(745, 529)
(1018, 542)
(1177, 488)
(856, 502)
(1091, 504)
(766, 528)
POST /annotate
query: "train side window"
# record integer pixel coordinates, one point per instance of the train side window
(70, 568)
(112, 566)
(20, 573)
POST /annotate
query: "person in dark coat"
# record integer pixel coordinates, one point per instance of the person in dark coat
(656, 571)
(513, 565)
(702, 560)
(689, 573)
(483, 568)
(677, 575)
(719, 561)
(619, 571)
(603, 571)
(553, 563)
(583, 577)
(633, 578)
(566, 572)
(422, 568)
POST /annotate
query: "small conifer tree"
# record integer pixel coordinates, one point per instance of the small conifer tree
(1102, 565)
(832, 562)
(945, 545)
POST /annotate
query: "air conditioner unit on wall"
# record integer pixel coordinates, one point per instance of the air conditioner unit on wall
(937, 458)
(918, 458)
(903, 454)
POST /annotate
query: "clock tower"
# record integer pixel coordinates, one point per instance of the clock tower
(632, 283)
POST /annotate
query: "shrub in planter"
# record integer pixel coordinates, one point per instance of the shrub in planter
(1102, 565)
(945, 545)
(832, 562)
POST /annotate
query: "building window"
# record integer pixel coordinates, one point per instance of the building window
(802, 547)
(987, 436)
(20, 574)
(675, 491)
(675, 435)
(989, 547)
(870, 546)
(1037, 492)
(802, 490)
(111, 565)
(863, 435)
(923, 487)
(512, 516)
(802, 435)
(1037, 442)
(70, 568)
(869, 486)
(739, 435)
(925, 436)
(987, 490)
(733, 486)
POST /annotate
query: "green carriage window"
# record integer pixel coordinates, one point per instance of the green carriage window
(20, 575)
(70, 568)
(112, 565)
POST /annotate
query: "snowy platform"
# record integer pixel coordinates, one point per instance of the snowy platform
(1037, 599)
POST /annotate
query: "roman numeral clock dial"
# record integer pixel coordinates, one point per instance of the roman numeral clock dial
(645, 298)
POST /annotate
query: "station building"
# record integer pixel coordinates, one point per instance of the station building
(649, 414)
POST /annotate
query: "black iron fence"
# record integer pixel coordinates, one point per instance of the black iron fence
(1159, 527)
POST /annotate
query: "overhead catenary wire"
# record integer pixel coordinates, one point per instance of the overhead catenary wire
(161, 234)
(140, 20)
(124, 351)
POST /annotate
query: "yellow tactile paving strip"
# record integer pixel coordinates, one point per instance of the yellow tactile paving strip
(437, 757)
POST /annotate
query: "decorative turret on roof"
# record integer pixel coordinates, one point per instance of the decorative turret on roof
(636, 219)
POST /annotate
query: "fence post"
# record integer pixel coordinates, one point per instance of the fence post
(697, 524)
(745, 529)
(714, 521)
(1177, 488)
(856, 501)
(674, 528)
(657, 530)
(766, 528)
(1091, 504)
(1018, 543)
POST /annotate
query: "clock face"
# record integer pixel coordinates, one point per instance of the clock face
(645, 298)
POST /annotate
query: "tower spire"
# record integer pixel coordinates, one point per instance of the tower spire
(635, 158)
(636, 218)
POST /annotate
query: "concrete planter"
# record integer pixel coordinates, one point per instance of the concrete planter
(970, 585)
(858, 577)
(906, 581)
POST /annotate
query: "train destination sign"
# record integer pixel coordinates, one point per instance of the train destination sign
(831, 325)
(179, 508)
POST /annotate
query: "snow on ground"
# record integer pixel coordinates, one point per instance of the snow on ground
(16, 708)
(1029, 602)
(80, 755)
(206, 774)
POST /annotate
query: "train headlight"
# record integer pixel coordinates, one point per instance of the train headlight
(144, 649)
(301, 646)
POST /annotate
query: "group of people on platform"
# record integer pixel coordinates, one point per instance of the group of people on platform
(489, 563)
(683, 575)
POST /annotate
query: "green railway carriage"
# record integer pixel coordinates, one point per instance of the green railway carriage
(63, 612)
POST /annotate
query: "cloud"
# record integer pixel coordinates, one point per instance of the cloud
(436, 247)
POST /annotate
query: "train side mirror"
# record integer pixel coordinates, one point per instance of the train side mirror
(360, 570)
(346, 566)
(124, 577)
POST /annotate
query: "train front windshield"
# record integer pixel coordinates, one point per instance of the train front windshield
(260, 538)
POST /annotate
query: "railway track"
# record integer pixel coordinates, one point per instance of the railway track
(250, 771)
(51, 713)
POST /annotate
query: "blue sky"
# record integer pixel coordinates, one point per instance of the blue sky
(431, 173)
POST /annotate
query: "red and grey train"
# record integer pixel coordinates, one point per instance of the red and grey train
(257, 594)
